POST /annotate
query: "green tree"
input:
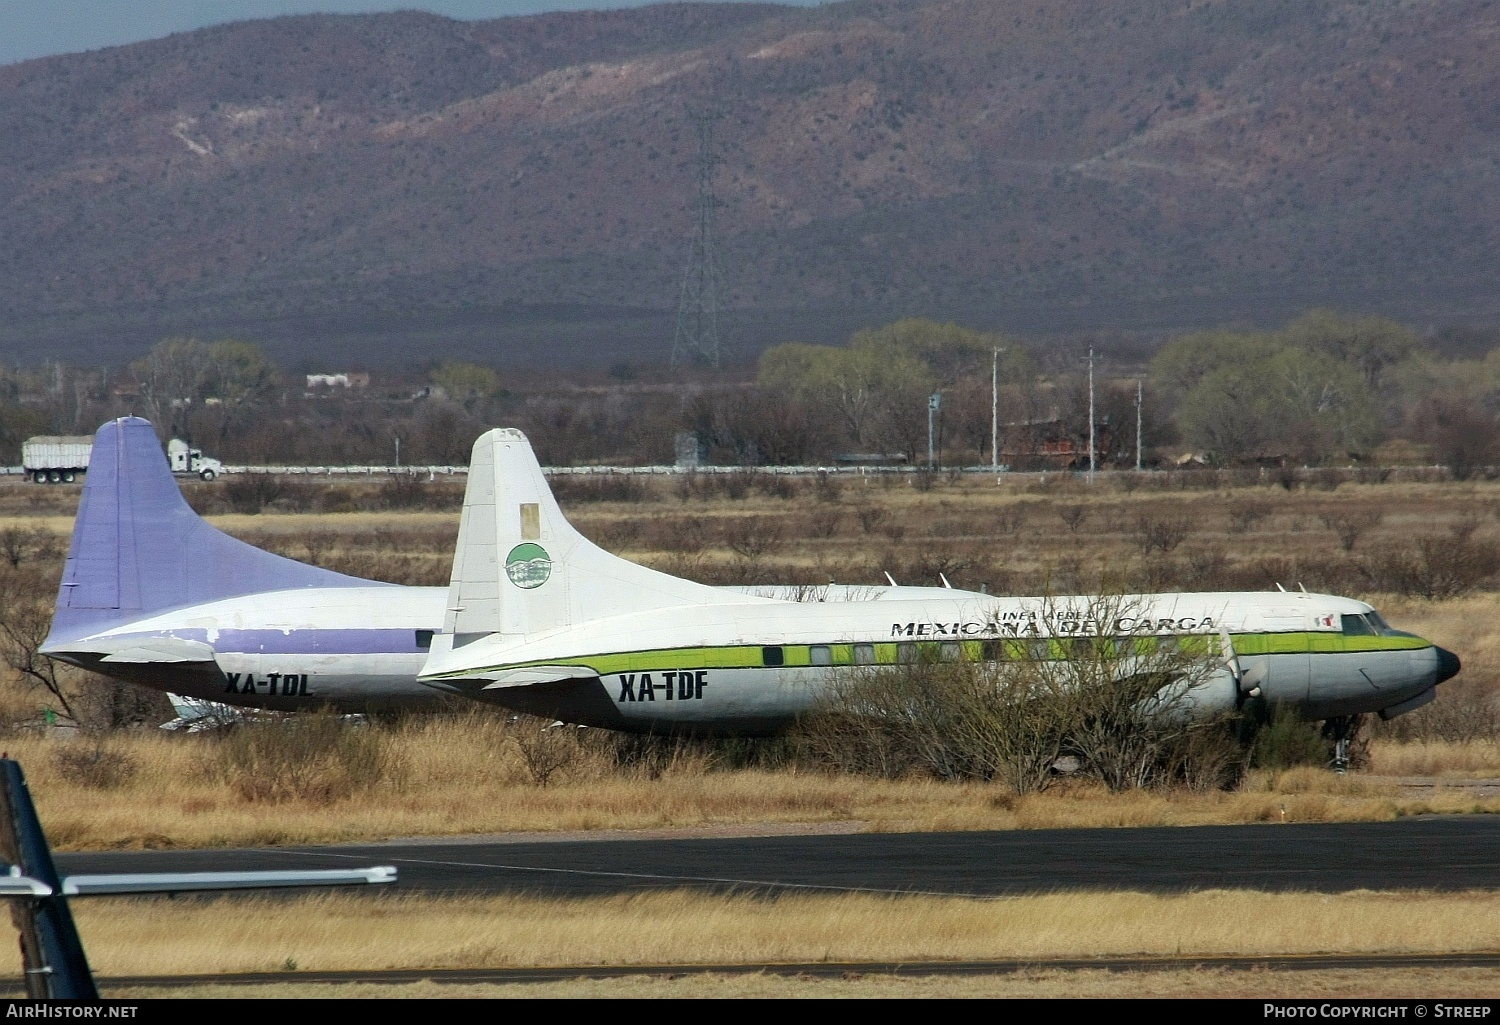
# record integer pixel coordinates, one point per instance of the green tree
(953, 354)
(1231, 412)
(859, 383)
(1372, 345)
(1329, 401)
(1288, 402)
(1183, 363)
(468, 384)
(240, 372)
(879, 382)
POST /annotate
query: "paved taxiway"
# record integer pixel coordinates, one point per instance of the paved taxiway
(1440, 853)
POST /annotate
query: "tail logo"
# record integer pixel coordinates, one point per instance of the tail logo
(528, 565)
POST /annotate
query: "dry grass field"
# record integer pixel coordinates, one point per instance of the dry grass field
(337, 931)
(471, 773)
(464, 775)
(1042, 983)
(364, 932)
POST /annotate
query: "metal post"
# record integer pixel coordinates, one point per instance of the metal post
(933, 402)
(1137, 424)
(398, 453)
(995, 412)
(1091, 415)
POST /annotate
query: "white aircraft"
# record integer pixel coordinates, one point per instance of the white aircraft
(539, 619)
(154, 595)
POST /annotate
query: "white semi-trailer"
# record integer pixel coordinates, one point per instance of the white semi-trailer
(54, 459)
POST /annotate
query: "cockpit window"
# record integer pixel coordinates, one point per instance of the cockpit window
(1357, 626)
(1383, 628)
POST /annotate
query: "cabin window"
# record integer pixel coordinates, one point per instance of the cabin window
(772, 657)
(1039, 650)
(994, 651)
(820, 655)
(864, 654)
(1080, 648)
(1356, 626)
(424, 639)
(950, 651)
(907, 654)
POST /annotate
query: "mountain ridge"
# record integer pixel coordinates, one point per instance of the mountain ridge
(1047, 167)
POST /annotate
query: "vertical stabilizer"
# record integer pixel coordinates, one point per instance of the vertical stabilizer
(522, 569)
(138, 547)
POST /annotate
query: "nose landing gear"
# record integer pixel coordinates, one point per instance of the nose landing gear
(1342, 730)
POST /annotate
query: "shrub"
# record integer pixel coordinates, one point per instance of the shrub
(1161, 533)
(404, 491)
(1283, 740)
(320, 757)
(337, 498)
(752, 537)
(827, 487)
(1073, 516)
(1440, 566)
(546, 748)
(1119, 706)
(572, 489)
(19, 544)
(1461, 713)
(250, 493)
(1351, 524)
(1243, 516)
(93, 765)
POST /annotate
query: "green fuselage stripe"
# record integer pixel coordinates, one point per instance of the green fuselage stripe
(891, 652)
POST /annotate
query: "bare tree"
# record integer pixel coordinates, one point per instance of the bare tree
(174, 376)
(1122, 704)
(26, 602)
(1161, 533)
(1350, 525)
(1073, 516)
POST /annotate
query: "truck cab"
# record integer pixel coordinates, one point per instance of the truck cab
(188, 461)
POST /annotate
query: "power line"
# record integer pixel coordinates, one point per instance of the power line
(698, 339)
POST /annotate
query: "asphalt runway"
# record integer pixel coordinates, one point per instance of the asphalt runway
(1430, 852)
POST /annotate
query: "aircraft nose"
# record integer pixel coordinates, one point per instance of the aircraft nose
(1448, 665)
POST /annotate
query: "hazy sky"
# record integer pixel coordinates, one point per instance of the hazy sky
(36, 28)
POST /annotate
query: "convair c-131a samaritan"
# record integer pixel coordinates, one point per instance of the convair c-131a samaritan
(539, 619)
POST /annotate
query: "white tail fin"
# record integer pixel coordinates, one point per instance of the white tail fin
(521, 569)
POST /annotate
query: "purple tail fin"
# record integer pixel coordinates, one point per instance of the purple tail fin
(139, 548)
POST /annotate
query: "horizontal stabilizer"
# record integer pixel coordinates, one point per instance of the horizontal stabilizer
(192, 882)
(531, 675)
(163, 649)
(17, 885)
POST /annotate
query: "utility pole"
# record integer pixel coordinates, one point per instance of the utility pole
(934, 403)
(1137, 425)
(1092, 460)
(995, 411)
